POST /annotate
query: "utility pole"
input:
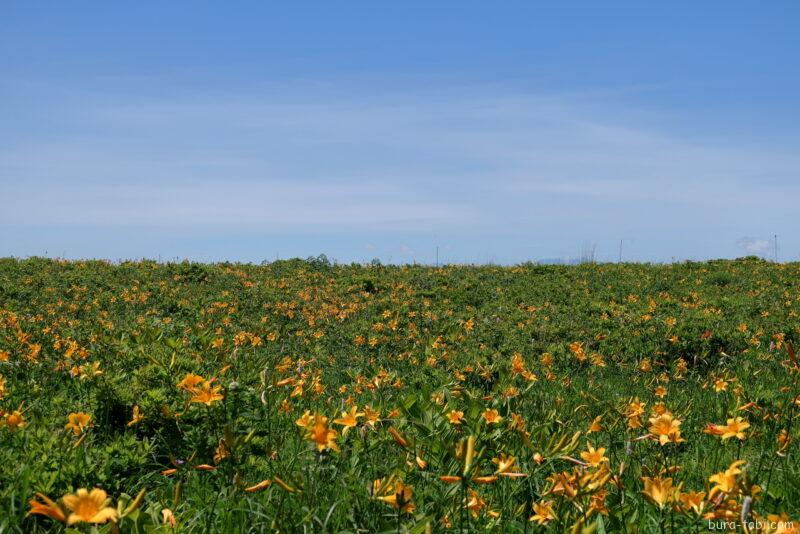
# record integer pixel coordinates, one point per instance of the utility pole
(437, 255)
(620, 251)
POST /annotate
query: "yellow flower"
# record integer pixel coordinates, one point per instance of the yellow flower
(89, 507)
(455, 417)
(286, 382)
(14, 420)
(734, 429)
(207, 394)
(137, 415)
(517, 423)
(400, 498)
(422, 464)
(306, 420)
(90, 370)
(190, 382)
(78, 422)
(221, 452)
(323, 437)
(372, 416)
(725, 482)
(506, 466)
(492, 416)
(660, 490)
(474, 503)
(635, 408)
(47, 508)
(168, 518)
(598, 360)
(594, 457)
(660, 408)
(595, 426)
(349, 419)
(714, 430)
(517, 363)
(693, 501)
(543, 512)
(633, 411)
(783, 525)
(666, 429)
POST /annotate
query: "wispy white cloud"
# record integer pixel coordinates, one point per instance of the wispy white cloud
(320, 160)
(753, 245)
(406, 251)
(266, 205)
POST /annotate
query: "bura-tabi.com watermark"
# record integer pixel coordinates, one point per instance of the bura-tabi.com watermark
(755, 525)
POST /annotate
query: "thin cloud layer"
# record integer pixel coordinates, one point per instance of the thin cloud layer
(458, 163)
(753, 245)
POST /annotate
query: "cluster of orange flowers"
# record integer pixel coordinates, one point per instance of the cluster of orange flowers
(203, 391)
(497, 419)
(81, 507)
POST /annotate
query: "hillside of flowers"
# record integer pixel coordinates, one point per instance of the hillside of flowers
(303, 396)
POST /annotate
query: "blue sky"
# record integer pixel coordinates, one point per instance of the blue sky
(499, 132)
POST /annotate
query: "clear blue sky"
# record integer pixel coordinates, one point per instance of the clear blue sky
(499, 131)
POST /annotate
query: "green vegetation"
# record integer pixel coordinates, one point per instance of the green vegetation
(303, 396)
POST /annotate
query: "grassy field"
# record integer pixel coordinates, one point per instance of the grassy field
(301, 396)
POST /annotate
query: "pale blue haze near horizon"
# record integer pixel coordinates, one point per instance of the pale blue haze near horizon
(499, 132)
